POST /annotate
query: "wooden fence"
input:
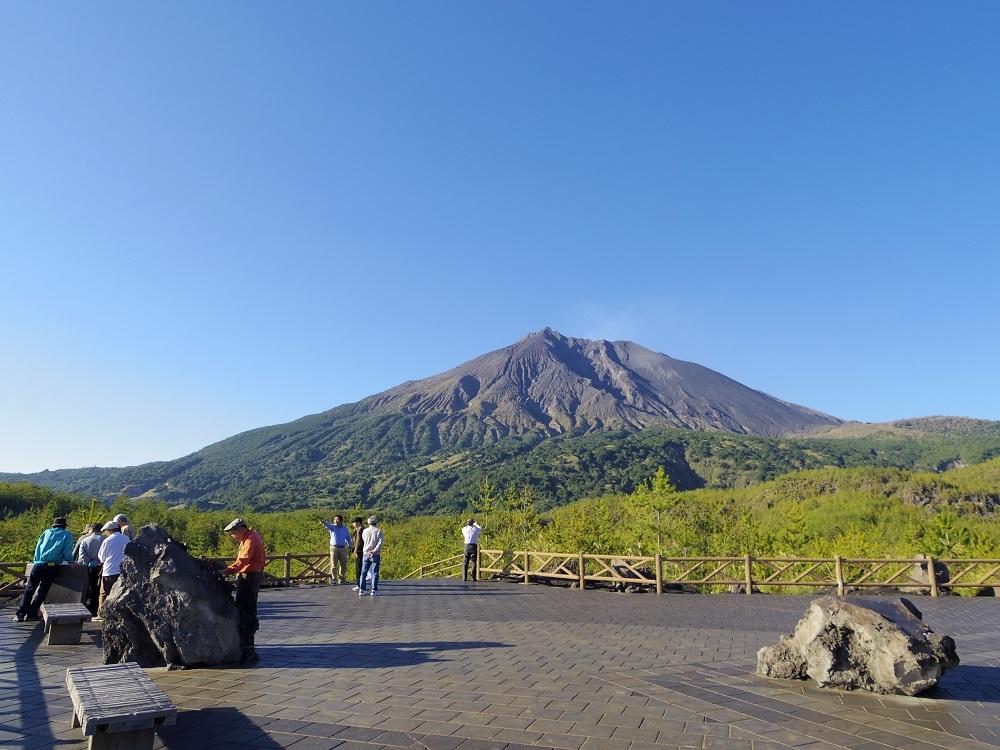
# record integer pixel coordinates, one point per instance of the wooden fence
(279, 570)
(748, 574)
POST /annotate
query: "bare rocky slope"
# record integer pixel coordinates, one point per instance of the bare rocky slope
(556, 384)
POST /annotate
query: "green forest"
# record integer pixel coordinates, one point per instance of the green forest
(380, 465)
(853, 512)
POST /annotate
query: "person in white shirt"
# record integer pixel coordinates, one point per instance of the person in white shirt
(471, 532)
(373, 538)
(111, 554)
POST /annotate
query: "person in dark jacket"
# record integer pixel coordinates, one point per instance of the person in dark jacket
(359, 551)
(86, 554)
(54, 548)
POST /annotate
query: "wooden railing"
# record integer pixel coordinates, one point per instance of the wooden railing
(748, 574)
(450, 567)
(279, 570)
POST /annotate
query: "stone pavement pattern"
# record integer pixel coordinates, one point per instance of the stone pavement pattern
(442, 665)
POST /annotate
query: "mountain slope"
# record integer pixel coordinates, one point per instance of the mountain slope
(553, 384)
(543, 386)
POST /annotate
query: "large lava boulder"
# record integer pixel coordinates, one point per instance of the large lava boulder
(883, 647)
(168, 608)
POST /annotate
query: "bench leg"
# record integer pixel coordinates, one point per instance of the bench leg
(64, 633)
(137, 739)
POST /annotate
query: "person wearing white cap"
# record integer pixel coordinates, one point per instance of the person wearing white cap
(249, 570)
(123, 524)
(111, 554)
(373, 538)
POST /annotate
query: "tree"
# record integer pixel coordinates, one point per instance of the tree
(654, 500)
(487, 505)
(947, 535)
(792, 536)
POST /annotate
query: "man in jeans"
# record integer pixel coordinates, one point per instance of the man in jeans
(471, 532)
(373, 539)
(340, 542)
(54, 548)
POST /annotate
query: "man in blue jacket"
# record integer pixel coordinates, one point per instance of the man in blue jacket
(54, 548)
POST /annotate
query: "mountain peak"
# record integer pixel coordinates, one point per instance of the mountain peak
(545, 333)
(550, 383)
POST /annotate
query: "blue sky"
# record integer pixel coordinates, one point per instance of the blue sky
(218, 217)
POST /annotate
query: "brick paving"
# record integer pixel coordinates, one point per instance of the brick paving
(442, 665)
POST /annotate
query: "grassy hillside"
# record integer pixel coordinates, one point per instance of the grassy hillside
(859, 512)
(389, 463)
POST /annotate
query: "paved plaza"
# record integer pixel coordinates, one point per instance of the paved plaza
(442, 665)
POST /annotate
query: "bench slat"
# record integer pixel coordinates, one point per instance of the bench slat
(59, 613)
(118, 697)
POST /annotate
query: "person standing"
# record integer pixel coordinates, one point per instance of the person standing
(53, 548)
(249, 570)
(340, 542)
(110, 556)
(123, 524)
(372, 552)
(87, 549)
(471, 532)
(359, 550)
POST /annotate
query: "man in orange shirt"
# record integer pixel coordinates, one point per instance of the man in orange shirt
(249, 570)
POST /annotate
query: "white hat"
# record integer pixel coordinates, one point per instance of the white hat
(236, 523)
(111, 526)
(120, 519)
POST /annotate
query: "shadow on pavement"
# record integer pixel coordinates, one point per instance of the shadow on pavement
(363, 655)
(216, 728)
(35, 715)
(969, 683)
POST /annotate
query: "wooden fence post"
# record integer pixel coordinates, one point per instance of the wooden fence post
(748, 572)
(659, 573)
(838, 568)
(288, 568)
(526, 568)
(932, 575)
(582, 572)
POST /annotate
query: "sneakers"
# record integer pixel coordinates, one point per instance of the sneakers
(361, 592)
(18, 618)
(374, 593)
(355, 588)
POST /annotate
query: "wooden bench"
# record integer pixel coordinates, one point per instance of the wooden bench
(118, 706)
(64, 622)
